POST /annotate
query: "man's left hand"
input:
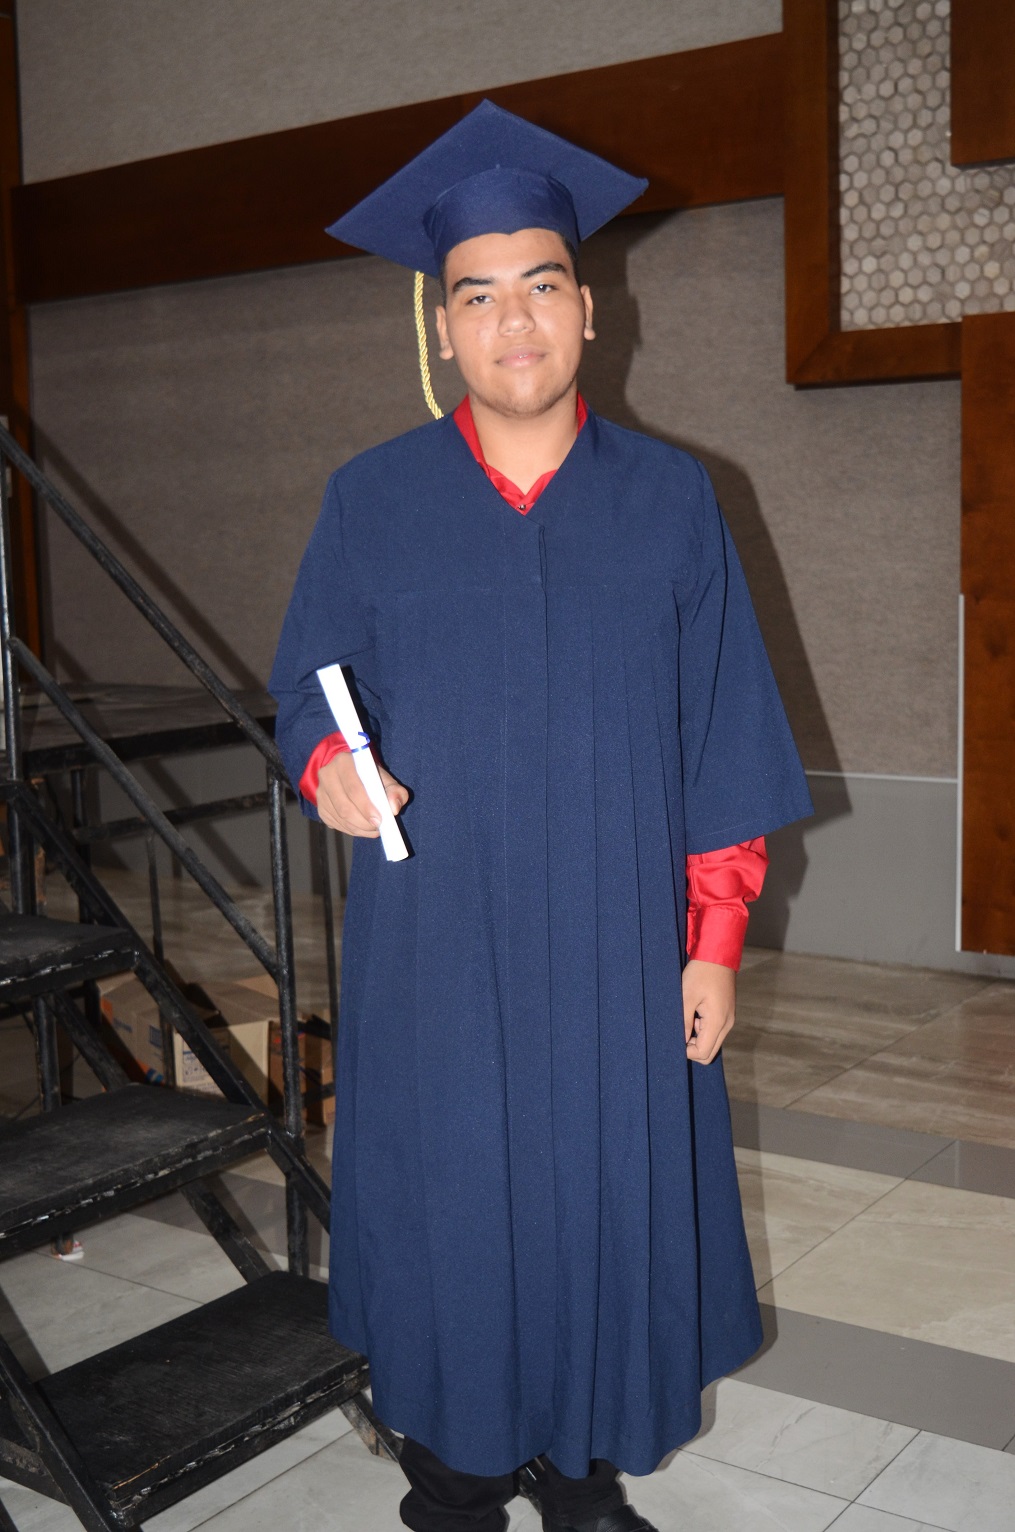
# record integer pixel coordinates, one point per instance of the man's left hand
(710, 1008)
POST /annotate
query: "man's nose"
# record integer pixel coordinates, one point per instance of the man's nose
(515, 316)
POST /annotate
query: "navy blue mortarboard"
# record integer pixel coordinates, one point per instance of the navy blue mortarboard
(492, 173)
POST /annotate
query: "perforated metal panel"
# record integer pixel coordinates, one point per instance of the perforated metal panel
(922, 241)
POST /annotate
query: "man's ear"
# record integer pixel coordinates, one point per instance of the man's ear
(590, 333)
(445, 353)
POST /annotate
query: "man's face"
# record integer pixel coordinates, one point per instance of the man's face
(514, 319)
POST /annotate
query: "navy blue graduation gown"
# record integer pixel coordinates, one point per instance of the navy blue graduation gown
(537, 1236)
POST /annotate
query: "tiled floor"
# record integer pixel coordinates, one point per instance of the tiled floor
(938, 1265)
(875, 1131)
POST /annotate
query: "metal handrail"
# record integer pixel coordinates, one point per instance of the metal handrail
(194, 813)
(280, 962)
(167, 630)
(147, 807)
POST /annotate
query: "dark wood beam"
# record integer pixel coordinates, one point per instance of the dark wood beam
(705, 126)
(892, 355)
(810, 39)
(14, 378)
(983, 81)
(988, 585)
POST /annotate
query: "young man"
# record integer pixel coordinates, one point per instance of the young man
(537, 1237)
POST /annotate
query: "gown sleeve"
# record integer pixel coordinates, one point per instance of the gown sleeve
(742, 776)
(327, 622)
(720, 885)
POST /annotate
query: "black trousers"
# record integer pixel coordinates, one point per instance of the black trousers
(443, 1500)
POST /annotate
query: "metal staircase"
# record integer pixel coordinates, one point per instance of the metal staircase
(130, 1431)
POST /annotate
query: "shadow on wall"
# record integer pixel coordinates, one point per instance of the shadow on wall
(196, 625)
(230, 863)
(605, 372)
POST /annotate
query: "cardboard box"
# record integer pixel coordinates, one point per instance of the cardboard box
(242, 1016)
(133, 1016)
(317, 1069)
(247, 1008)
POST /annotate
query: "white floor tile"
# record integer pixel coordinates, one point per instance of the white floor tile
(694, 1492)
(522, 1517)
(860, 1518)
(252, 1476)
(948, 1484)
(57, 1312)
(259, 1167)
(822, 1448)
(937, 1266)
(343, 1488)
(158, 1255)
(792, 1205)
(34, 1513)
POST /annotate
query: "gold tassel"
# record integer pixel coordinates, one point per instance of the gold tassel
(424, 357)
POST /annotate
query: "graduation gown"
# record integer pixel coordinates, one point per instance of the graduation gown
(537, 1237)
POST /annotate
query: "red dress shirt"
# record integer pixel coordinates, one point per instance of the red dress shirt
(720, 884)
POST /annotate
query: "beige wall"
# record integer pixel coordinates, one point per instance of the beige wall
(199, 424)
(103, 81)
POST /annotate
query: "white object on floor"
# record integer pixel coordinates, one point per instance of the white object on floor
(76, 1252)
(343, 708)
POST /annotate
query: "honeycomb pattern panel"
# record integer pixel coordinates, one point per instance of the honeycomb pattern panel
(922, 240)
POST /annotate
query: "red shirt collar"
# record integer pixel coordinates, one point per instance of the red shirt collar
(522, 501)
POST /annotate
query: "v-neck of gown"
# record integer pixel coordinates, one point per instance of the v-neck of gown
(523, 504)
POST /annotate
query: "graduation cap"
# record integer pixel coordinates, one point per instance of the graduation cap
(492, 173)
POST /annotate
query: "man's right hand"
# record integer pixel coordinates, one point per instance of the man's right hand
(342, 800)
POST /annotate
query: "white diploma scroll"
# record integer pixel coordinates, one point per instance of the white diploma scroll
(340, 701)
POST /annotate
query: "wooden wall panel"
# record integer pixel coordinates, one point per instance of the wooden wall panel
(891, 355)
(988, 584)
(818, 350)
(983, 81)
(811, 178)
(705, 126)
(14, 379)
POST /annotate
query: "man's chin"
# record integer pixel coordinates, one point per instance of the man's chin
(522, 403)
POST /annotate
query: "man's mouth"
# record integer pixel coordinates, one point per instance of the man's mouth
(520, 356)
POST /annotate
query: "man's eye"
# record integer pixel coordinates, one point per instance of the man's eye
(478, 298)
(543, 287)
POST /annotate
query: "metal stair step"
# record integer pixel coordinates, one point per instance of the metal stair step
(157, 1417)
(87, 1160)
(38, 955)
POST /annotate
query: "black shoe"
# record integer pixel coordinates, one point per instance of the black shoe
(626, 1519)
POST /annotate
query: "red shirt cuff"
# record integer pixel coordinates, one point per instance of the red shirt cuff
(720, 885)
(719, 935)
(330, 746)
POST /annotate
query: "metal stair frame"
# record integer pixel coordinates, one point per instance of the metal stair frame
(304, 1188)
(57, 1467)
(97, 902)
(40, 1452)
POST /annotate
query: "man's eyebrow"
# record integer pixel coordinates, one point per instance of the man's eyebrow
(534, 271)
(472, 282)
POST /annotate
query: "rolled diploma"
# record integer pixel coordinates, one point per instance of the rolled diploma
(343, 708)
